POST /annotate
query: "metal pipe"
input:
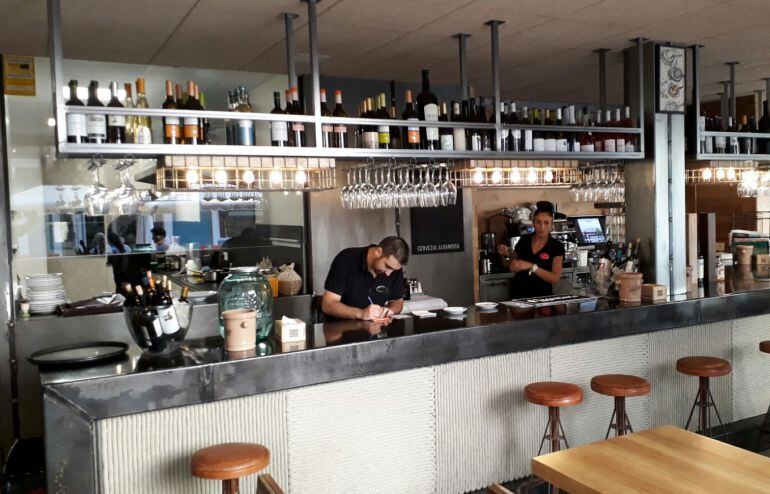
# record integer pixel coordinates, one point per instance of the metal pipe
(758, 103)
(291, 66)
(494, 31)
(312, 24)
(602, 79)
(767, 87)
(57, 71)
(725, 102)
(732, 90)
(696, 143)
(640, 68)
(462, 53)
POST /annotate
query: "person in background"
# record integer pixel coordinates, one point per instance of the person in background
(159, 238)
(367, 282)
(537, 258)
(127, 267)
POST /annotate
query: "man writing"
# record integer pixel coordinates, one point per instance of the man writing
(367, 282)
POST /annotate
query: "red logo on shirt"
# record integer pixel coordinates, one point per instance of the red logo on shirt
(544, 256)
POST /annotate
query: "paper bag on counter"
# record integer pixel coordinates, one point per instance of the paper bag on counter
(289, 282)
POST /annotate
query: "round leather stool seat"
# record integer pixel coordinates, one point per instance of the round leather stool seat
(553, 394)
(620, 385)
(703, 366)
(229, 461)
(764, 346)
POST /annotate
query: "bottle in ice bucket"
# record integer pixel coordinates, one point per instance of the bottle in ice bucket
(246, 288)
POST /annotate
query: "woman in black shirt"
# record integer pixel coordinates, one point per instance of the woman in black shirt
(537, 259)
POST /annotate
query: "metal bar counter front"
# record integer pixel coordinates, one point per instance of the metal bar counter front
(441, 397)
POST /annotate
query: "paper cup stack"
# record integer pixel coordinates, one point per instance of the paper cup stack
(45, 292)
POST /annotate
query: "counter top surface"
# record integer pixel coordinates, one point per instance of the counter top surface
(201, 370)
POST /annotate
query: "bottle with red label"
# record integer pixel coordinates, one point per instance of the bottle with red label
(340, 131)
(412, 134)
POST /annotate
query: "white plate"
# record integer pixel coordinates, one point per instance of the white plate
(486, 305)
(455, 310)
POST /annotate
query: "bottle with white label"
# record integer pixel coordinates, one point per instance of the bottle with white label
(340, 135)
(383, 131)
(720, 142)
(76, 122)
(503, 140)
(538, 136)
(446, 134)
(427, 109)
(171, 129)
(297, 128)
(608, 139)
(96, 123)
(370, 134)
(620, 139)
(116, 124)
(279, 130)
(244, 134)
(707, 141)
(458, 133)
(326, 128)
(142, 123)
(733, 140)
(411, 138)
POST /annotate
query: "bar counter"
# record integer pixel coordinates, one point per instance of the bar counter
(202, 373)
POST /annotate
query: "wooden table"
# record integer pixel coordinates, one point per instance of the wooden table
(662, 460)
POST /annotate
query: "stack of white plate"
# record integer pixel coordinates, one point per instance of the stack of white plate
(45, 292)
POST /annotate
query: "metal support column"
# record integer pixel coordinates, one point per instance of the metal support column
(312, 24)
(732, 90)
(724, 102)
(758, 103)
(291, 67)
(462, 51)
(602, 79)
(767, 87)
(640, 67)
(696, 97)
(57, 69)
(494, 27)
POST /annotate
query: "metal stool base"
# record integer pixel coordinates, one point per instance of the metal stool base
(554, 433)
(619, 420)
(704, 401)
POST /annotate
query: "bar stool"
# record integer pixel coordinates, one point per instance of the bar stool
(620, 387)
(704, 368)
(764, 347)
(553, 395)
(228, 463)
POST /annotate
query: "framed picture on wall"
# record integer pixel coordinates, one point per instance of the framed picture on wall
(671, 72)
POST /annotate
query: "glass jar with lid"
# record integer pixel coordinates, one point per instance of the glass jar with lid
(246, 288)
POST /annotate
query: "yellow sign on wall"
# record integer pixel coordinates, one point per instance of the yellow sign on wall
(18, 75)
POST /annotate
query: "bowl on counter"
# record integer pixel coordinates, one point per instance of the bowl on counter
(157, 329)
(455, 310)
(486, 305)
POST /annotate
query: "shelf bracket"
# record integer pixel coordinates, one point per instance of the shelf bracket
(291, 66)
(494, 30)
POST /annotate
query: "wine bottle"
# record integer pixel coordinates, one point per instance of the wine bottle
(326, 128)
(446, 136)
(205, 125)
(562, 141)
(459, 140)
(289, 109)
(395, 132)
(297, 128)
(116, 124)
(474, 134)
(620, 139)
(538, 136)
(170, 124)
(279, 130)
(733, 147)
(183, 295)
(763, 126)
(383, 131)
(169, 322)
(481, 115)
(549, 137)
(229, 134)
(96, 123)
(573, 144)
(609, 139)
(140, 297)
(587, 141)
(598, 136)
(412, 134)
(130, 119)
(191, 124)
(76, 122)
(370, 134)
(514, 138)
(427, 109)
(504, 139)
(340, 137)
(143, 126)
(245, 130)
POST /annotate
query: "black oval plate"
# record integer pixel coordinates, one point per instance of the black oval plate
(87, 353)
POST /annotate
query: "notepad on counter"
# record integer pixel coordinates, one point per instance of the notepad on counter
(423, 313)
(401, 316)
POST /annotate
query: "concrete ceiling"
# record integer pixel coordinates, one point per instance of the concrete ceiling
(546, 45)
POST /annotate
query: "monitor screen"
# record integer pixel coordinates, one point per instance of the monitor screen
(590, 231)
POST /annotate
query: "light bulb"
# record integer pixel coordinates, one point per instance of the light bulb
(299, 192)
(706, 174)
(286, 192)
(478, 176)
(497, 176)
(248, 177)
(300, 177)
(731, 173)
(720, 173)
(548, 176)
(276, 177)
(221, 177)
(515, 176)
(51, 122)
(531, 176)
(192, 176)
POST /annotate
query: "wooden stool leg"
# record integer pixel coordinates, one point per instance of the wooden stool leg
(703, 393)
(553, 419)
(230, 486)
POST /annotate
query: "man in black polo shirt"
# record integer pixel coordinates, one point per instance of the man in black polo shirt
(367, 282)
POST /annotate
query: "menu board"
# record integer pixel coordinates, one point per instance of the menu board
(437, 230)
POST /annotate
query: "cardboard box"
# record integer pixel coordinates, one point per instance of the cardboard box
(762, 259)
(290, 330)
(651, 291)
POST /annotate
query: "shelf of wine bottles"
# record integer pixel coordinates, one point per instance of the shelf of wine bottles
(458, 129)
(729, 140)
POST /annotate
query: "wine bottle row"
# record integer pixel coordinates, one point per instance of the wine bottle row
(734, 144)
(97, 128)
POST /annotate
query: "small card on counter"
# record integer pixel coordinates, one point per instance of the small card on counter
(423, 313)
(401, 316)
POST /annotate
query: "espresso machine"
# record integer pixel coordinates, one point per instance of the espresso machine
(489, 261)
